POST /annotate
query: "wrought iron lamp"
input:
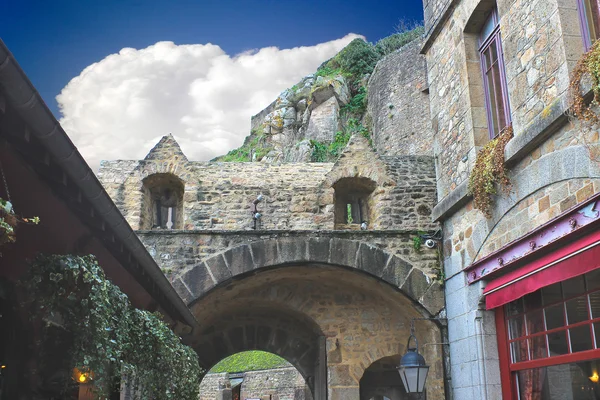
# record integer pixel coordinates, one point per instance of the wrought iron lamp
(412, 369)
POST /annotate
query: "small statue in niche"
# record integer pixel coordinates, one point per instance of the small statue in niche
(165, 204)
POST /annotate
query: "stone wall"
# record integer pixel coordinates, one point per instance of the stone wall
(548, 159)
(178, 251)
(398, 103)
(218, 195)
(273, 384)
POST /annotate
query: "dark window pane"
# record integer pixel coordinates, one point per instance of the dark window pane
(499, 97)
(580, 338)
(577, 310)
(537, 347)
(552, 294)
(595, 304)
(555, 316)
(573, 286)
(519, 351)
(516, 328)
(560, 382)
(592, 279)
(533, 300)
(535, 322)
(557, 342)
(597, 334)
(514, 307)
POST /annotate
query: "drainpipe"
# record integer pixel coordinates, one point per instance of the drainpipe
(481, 355)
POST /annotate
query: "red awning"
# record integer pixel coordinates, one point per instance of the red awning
(577, 258)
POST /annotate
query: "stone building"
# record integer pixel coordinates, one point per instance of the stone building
(271, 256)
(513, 280)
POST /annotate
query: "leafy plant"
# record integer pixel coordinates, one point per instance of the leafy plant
(9, 221)
(249, 361)
(417, 242)
(489, 172)
(587, 66)
(357, 104)
(110, 339)
(357, 58)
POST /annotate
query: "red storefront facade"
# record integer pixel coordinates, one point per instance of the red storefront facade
(545, 291)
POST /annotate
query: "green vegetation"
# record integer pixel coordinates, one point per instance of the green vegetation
(249, 361)
(357, 104)
(108, 338)
(396, 41)
(255, 148)
(323, 152)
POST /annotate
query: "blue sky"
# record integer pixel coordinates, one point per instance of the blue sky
(54, 41)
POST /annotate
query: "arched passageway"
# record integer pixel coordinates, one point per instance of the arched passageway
(381, 381)
(330, 322)
(254, 375)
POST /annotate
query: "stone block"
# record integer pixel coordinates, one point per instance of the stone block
(415, 285)
(292, 250)
(218, 267)
(396, 271)
(343, 252)
(264, 253)
(344, 393)
(371, 259)
(433, 300)
(239, 260)
(198, 280)
(339, 375)
(318, 249)
(182, 290)
(324, 121)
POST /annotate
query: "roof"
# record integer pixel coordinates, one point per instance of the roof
(70, 175)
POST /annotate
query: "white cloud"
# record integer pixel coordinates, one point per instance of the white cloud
(118, 108)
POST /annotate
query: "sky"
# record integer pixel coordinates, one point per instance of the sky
(120, 74)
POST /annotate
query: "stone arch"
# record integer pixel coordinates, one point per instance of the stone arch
(359, 256)
(284, 332)
(554, 168)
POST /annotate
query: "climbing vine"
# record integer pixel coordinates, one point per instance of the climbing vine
(588, 66)
(490, 172)
(109, 338)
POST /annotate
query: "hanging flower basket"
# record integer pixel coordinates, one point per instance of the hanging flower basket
(9, 222)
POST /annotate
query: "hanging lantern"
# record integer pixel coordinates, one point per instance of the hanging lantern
(413, 370)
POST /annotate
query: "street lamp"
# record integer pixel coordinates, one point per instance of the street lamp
(412, 368)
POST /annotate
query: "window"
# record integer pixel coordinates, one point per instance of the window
(494, 80)
(553, 339)
(589, 15)
(352, 196)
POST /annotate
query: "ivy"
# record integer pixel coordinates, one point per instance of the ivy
(110, 338)
(490, 172)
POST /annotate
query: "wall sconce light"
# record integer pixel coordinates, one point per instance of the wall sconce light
(595, 378)
(81, 377)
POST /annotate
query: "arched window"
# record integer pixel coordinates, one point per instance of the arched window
(352, 198)
(163, 202)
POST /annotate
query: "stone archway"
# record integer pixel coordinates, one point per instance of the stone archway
(330, 322)
(426, 294)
